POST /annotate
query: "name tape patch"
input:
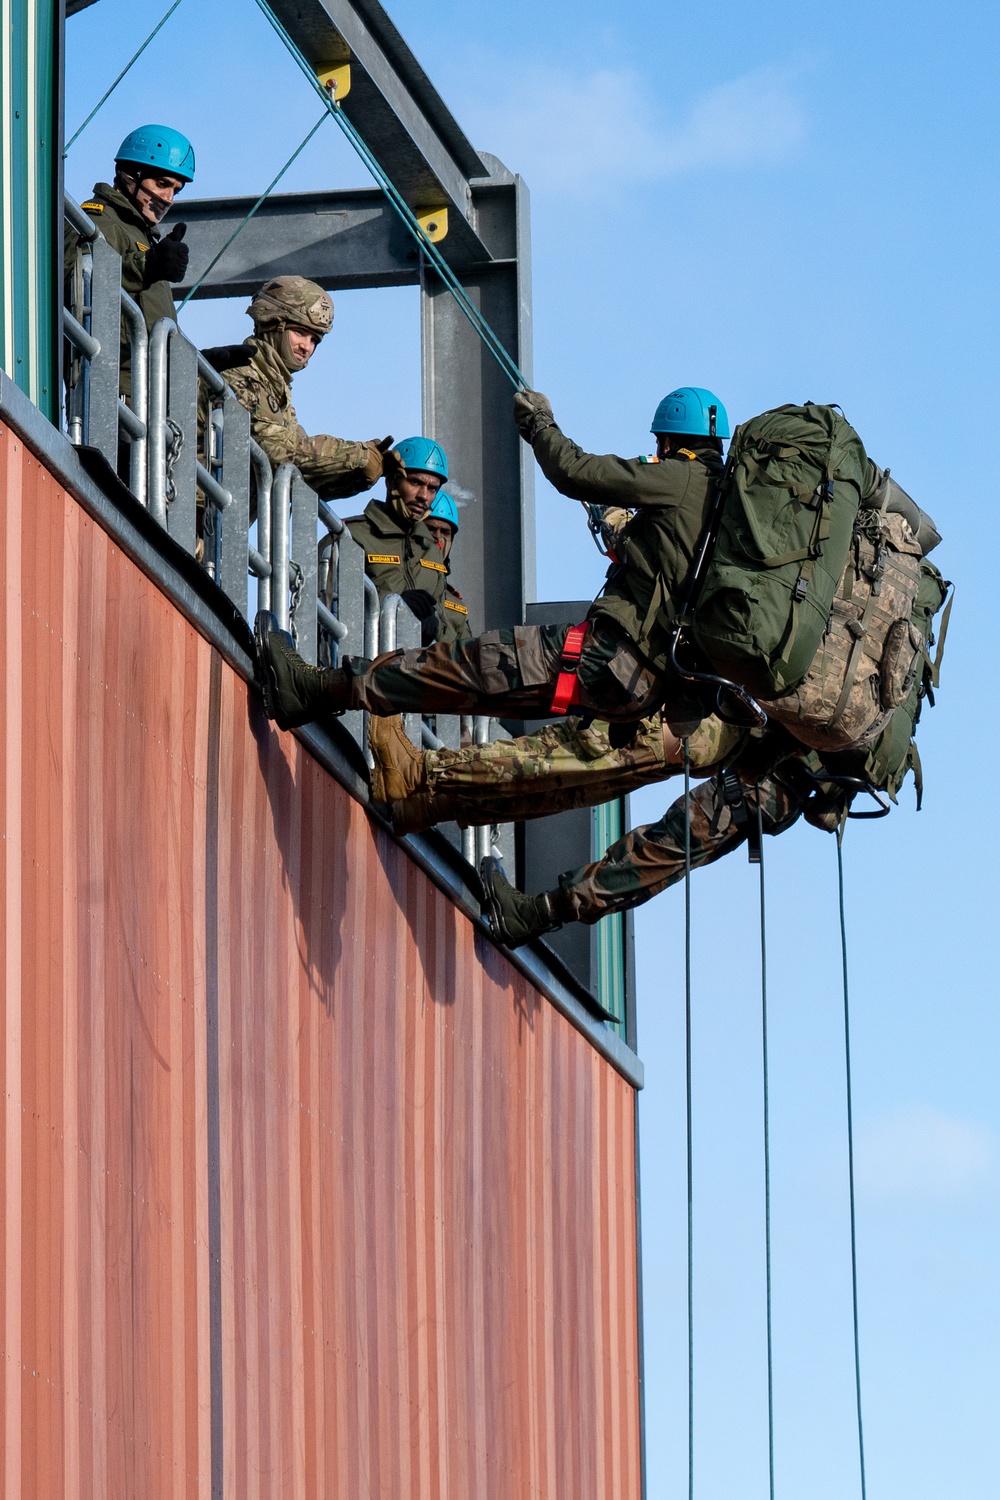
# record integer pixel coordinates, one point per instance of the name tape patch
(437, 567)
(459, 609)
(382, 557)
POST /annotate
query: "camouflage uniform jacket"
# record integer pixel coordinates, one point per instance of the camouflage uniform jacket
(126, 231)
(333, 467)
(399, 557)
(657, 546)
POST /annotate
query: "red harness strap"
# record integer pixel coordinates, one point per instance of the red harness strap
(567, 691)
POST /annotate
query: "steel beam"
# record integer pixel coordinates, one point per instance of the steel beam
(394, 107)
(467, 408)
(340, 240)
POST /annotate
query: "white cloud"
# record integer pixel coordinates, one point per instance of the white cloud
(923, 1153)
(572, 133)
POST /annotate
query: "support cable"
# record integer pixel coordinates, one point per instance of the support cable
(246, 219)
(133, 59)
(687, 1099)
(767, 1149)
(850, 1159)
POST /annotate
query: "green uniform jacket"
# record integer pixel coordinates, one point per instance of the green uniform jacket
(399, 557)
(656, 548)
(126, 231)
(333, 467)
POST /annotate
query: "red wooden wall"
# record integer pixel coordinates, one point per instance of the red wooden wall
(307, 1192)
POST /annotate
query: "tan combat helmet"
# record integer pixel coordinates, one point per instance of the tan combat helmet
(292, 301)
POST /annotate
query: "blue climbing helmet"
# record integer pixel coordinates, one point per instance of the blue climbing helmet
(159, 146)
(444, 508)
(691, 410)
(423, 454)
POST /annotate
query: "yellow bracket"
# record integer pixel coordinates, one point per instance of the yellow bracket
(337, 79)
(434, 222)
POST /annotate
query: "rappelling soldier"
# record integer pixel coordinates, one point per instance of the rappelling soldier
(617, 666)
(153, 164)
(407, 537)
(291, 316)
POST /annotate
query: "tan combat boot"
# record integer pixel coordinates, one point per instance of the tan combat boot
(400, 769)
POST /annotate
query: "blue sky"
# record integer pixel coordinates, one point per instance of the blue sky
(782, 203)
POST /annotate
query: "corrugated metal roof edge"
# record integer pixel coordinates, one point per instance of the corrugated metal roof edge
(159, 556)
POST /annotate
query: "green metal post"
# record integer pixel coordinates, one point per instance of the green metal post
(30, 253)
(610, 931)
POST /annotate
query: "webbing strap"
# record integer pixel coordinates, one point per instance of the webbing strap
(567, 691)
(687, 1111)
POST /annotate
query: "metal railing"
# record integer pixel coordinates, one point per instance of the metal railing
(180, 440)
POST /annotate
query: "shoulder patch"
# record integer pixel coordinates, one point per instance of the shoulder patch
(459, 609)
(93, 208)
(140, 246)
(382, 557)
(436, 567)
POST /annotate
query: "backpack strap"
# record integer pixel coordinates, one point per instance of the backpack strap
(567, 692)
(939, 655)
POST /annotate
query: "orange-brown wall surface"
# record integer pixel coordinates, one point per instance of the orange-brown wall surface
(307, 1191)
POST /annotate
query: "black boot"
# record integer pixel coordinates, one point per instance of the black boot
(294, 692)
(513, 916)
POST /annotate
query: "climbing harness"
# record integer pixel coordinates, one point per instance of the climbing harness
(567, 692)
(850, 1156)
(247, 217)
(133, 59)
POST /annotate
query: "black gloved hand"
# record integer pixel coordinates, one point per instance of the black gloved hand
(532, 413)
(419, 602)
(167, 260)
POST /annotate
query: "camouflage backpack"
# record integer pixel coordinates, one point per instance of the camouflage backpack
(793, 486)
(869, 656)
(886, 761)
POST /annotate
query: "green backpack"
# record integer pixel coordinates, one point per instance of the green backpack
(794, 483)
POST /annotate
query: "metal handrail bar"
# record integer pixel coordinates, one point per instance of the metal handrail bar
(79, 337)
(136, 422)
(329, 621)
(219, 497)
(263, 477)
(157, 422)
(132, 424)
(281, 489)
(85, 228)
(372, 612)
(210, 375)
(483, 833)
(259, 567)
(387, 622)
(430, 739)
(333, 523)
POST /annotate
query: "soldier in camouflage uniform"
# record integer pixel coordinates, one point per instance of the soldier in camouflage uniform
(152, 166)
(290, 317)
(623, 672)
(772, 772)
(403, 555)
(568, 764)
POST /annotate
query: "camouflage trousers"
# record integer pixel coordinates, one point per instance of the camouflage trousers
(509, 673)
(648, 860)
(565, 765)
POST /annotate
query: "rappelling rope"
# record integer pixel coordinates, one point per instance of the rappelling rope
(850, 1158)
(767, 1148)
(133, 59)
(687, 1101)
(246, 220)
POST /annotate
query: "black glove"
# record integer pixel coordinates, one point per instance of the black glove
(167, 260)
(419, 602)
(532, 413)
